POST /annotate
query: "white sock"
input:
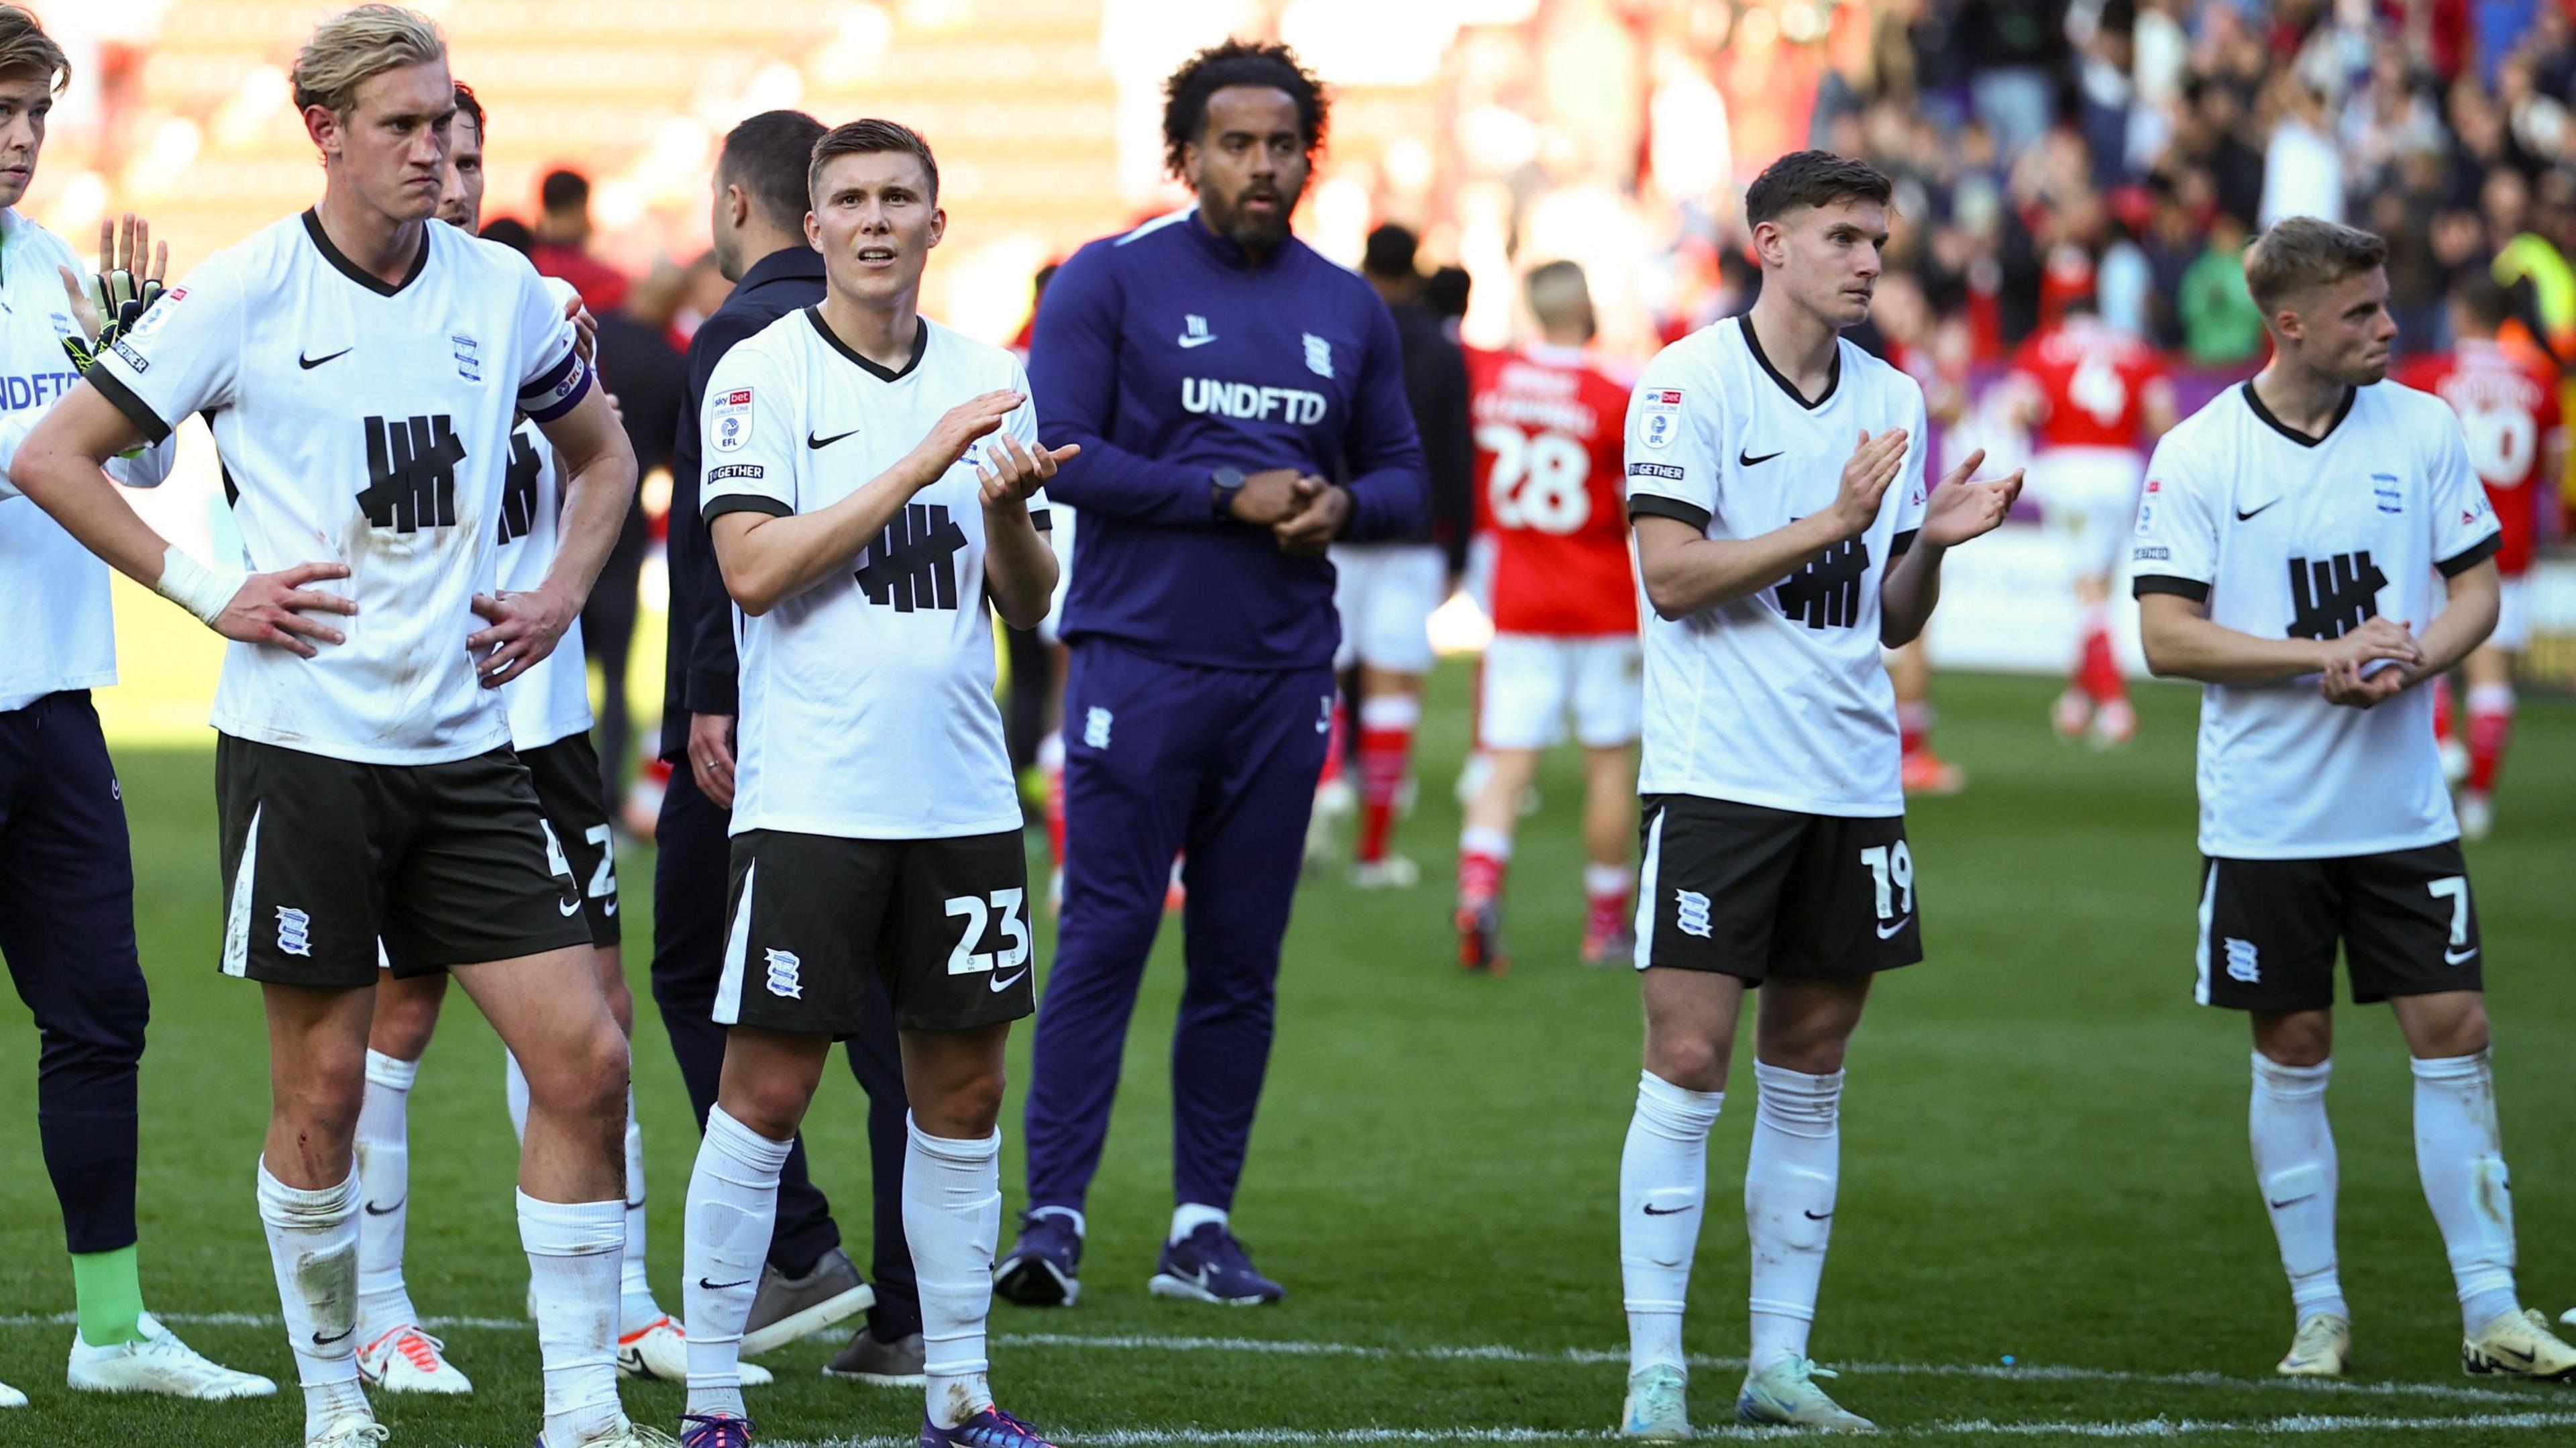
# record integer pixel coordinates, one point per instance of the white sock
(1663, 1182)
(313, 1248)
(2294, 1166)
(384, 1191)
(636, 1308)
(733, 1204)
(1481, 840)
(2460, 1156)
(1188, 1217)
(952, 1215)
(572, 1271)
(1600, 879)
(1789, 1182)
(514, 1089)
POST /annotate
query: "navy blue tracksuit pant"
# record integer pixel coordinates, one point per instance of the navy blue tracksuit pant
(688, 960)
(1162, 758)
(67, 930)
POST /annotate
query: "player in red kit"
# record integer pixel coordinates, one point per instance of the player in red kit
(1548, 449)
(2094, 399)
(2507, 400)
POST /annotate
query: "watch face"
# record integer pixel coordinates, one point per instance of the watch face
(1229, 478)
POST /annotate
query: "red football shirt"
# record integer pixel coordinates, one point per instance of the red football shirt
(2508, 410)
(1549, 445)
(2093, 382)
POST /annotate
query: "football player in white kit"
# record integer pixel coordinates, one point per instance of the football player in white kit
(549, 709)
(365, 366)
(867, 540)
(1780, 559)
(2286, 548)
(66, 864)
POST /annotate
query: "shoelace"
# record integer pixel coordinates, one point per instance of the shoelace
(420, 1350)
(1012, 1431)
(718, 1430)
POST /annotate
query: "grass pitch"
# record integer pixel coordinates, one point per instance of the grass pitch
(2048, 1230)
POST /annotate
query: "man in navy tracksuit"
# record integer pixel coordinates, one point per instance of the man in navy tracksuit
(1240, 405)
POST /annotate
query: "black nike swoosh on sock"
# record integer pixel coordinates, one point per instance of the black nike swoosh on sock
(320, 1341)
(722, 1286)
(376, 1211)
(1673, 1212)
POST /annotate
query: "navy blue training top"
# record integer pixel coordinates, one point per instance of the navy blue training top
(1167, 354)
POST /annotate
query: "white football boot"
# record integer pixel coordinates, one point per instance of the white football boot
(2322, 1348)
(158, 1362)
(1657, 1408)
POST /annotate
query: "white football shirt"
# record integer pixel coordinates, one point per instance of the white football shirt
(1778, 699)
(2285, 536)
(867, 700)
(54, 610)
(552, 700)
(366, 423)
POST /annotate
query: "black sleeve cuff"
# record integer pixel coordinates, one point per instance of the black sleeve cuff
(1901, 543)
(747, 503)
(708, 692)
(136, 410)
(1650, 505)
(2471, 556)
(2191, 588)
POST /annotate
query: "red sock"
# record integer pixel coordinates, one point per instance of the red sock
(1336, 742)
(1913, 725)
(1051, 760)
(1480, 874)
(1605, 893)
(1386, 750)
(2490, 725)
(2100, 676)
(2442, 725)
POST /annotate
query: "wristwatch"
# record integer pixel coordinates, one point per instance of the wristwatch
(1223, 484)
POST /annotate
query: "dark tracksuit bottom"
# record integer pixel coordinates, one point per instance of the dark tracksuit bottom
(689, 876)
(67, 930)
(1162, 758)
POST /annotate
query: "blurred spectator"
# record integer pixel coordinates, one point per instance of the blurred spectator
(562, 248)
(2221, 326)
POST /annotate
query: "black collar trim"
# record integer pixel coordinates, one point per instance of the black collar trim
(1833, 373)
(2342, 411)
(359, 274)
(920, 344)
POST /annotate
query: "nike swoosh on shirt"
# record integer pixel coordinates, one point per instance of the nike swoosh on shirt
(1186, 343)
(1747, 460)
(309, 363)
(818, 443)
(1888, 932)
(2459, 957)
(2244, 517)
(999, 984)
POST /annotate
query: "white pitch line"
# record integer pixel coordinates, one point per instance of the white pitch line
(1296, 1347)
(2302, 1424)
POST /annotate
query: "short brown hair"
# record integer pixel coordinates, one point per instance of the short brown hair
(1812, 178)
(25, 49)
(870, 138)
(2300, 254)
(356, 45)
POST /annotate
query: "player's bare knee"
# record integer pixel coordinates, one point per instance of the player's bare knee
(2441, 1027)
(2298, 1038)
(1692, 1062)
(771, 1104)
(583, 1077)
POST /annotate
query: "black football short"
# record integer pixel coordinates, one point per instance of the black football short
(2269, 929)
(1765, 894)
(446, 864)
(944, 924)
(575, 801)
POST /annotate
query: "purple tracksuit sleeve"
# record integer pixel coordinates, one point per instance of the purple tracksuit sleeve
(1390, 484)
(1073, 370)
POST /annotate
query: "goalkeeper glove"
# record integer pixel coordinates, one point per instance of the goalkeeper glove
(121, 298)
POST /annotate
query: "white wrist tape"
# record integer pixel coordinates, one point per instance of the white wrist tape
(193, 586)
